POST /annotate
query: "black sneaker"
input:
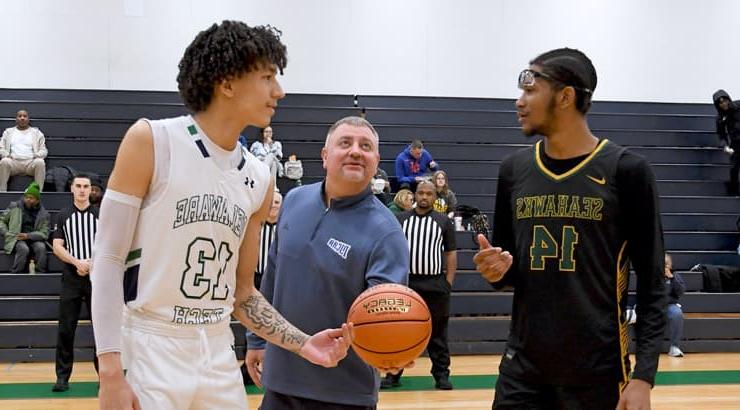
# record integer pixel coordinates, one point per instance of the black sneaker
(443, 383)
(390, 381)
(396, 380)
(386, 382)
(60, 386)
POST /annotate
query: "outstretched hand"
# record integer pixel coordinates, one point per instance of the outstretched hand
(328, 347)
(491, 262)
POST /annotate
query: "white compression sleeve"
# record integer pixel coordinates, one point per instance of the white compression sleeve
(118, 216)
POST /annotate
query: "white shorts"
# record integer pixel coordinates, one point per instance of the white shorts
(181, 367)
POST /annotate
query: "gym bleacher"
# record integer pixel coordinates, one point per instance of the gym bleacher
(468, 137)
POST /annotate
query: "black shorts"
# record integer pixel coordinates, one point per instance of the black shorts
(273, 400)
(516, 394)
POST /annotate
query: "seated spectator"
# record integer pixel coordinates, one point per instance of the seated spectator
(293, 171)
(23, 149)
(675, 287)
(268, 151)
(381, 187)
(414, 164)
(728, 130)
(25, 227)
(403, 201)
(446, 201)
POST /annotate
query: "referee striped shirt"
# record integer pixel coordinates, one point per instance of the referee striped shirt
(428, 236)
(77, 227)
(267, 235)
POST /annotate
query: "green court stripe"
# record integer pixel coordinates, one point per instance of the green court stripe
(408, 383)
(135, 254)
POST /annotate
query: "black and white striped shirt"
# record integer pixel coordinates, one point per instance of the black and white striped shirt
(428, 236)
(267, 235)
(77, 228)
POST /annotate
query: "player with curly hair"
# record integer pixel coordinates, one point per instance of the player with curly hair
(178, 236)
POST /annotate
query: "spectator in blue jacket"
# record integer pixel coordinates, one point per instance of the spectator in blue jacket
(414, 164)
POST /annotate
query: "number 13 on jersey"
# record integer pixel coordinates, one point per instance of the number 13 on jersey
(545, 246)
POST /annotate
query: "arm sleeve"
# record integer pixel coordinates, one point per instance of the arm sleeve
(453, 201)
(448, 242)
(638, 197)
(721, 132)
(427, 158)
(401, 171)
(58, 232)
(3, 141)
(503, 228)
(42, 152)
(389, 259)
(278, 150)
(679, 286)
(256, 151)
(4, 221)
(118, 218)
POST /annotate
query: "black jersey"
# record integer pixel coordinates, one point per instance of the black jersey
(571, 268)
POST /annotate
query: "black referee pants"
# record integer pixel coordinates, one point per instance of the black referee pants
(75, 290)
(435, 290)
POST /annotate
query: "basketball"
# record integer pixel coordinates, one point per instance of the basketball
(392, 325)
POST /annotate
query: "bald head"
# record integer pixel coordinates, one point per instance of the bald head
(425, 184)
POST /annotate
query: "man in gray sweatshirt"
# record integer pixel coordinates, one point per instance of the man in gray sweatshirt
(334, 239)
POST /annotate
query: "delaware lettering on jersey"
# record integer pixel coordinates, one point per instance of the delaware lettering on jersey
(210, 208)
(559, 206)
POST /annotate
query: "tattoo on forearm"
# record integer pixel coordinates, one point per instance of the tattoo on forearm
(267, 319)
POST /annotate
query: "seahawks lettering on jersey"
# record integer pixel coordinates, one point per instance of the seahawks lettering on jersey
(559, 206)
(182, 263)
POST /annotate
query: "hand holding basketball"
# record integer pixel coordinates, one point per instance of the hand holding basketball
(392, 326)
(491, 262)
(396, 370)
(328, 347)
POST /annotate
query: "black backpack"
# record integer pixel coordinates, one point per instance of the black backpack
(58, 179)
(718, 278)
(478, 221)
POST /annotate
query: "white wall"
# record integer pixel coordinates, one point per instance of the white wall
(643, 50)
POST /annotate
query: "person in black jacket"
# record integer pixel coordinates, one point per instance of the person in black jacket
(728, 130)
(675, 287)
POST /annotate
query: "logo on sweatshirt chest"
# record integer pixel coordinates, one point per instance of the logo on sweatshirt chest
(339, 247)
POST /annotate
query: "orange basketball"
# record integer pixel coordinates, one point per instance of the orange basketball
(392, 325)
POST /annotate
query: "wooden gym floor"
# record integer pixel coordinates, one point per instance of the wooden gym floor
(696, 381)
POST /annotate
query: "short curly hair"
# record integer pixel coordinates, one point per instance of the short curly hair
(223, 51)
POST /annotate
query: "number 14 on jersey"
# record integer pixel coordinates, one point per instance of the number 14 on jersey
(545, 246)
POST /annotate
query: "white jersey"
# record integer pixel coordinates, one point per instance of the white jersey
(182, 263)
